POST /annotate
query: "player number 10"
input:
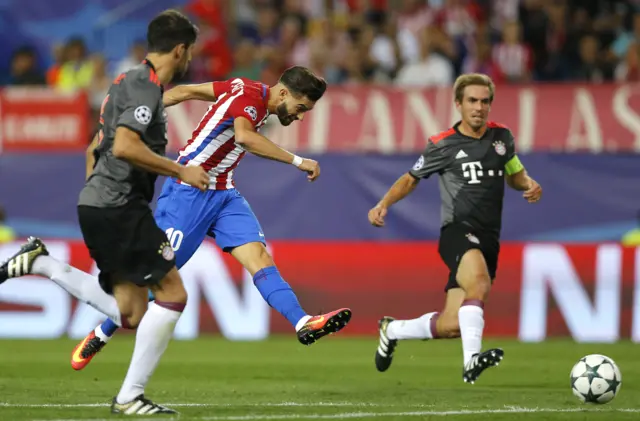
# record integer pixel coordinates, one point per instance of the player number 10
(175, 238)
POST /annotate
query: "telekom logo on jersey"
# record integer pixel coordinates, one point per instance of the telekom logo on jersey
(473, 170)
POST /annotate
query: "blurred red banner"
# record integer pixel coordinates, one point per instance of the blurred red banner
(567, 117)
(589, 292)
(41, 119)
(557, 118)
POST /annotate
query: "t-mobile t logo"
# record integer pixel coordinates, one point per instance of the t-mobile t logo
(472, 170)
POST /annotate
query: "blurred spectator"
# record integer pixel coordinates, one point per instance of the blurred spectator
(136, 54)
(480, 60)
(246, 63)
(213, 42)
(24, 68)
(629, 69)
(578, 27)
(59, 58)
(77, 71)
(293, 41)
(512, 58)
(385, 49)
(592, 67)
(266, 28)
(433, 69)
(414, 16)
(624, 40)
(6, 232)
(275, 61)
(100, 83)
(552, 61)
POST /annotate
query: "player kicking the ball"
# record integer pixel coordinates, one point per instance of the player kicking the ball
(473, 159)
(226, 132)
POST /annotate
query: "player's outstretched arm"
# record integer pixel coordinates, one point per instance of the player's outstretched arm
(181, 93)
(254, 142)
(127, 145)
(400, 189)
(91, 159)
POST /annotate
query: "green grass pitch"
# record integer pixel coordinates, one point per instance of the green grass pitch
(279, 379)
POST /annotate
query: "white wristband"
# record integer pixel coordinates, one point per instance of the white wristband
(297, 161)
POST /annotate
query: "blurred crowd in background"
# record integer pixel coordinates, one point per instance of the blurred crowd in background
(407, 43)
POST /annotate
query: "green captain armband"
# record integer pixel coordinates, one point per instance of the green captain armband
(514, 166)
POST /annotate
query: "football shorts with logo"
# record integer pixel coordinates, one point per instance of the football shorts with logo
(188, 215)
(126, 244)
(456, 239)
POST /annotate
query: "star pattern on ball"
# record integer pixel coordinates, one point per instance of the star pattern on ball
(613, 384)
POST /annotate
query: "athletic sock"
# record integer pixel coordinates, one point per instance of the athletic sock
(424, 327)
(152, 338)
(471, 319)
(278, 294)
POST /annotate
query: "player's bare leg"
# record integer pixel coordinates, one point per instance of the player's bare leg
(433, 325)
(132, 309)
(473, 277)
(152, 338)
(279, 295)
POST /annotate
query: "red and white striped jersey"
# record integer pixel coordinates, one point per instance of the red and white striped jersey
(212, 145)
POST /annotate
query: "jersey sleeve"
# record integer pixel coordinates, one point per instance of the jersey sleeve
(433, 160)
(253, 109)
(220, 87)
(513, 164)
(140, 103)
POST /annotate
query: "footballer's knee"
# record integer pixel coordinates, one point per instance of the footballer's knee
(135, 314)
(253, 256)
(171, 290)
(478, 288)
(473, 276)
(132, 303)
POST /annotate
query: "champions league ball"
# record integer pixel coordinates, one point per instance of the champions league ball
(596, 379)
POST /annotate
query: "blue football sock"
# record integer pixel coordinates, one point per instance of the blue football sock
(278, 294)
(108, 327)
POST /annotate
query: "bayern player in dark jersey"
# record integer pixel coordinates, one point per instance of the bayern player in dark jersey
(474, 158)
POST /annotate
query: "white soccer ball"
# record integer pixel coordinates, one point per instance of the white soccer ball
(596, 379)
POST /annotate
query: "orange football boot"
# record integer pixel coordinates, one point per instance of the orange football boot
(84, 352)
(324, 324)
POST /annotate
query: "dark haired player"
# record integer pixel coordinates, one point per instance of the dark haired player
(131, 251)
(473, 159)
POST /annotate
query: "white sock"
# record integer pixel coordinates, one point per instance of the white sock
(81, 285)
(419, 328)
(152, 338)
(471, 319)
(302, 322)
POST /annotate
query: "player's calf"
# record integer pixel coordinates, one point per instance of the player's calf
(447, 326)
(154, 333)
